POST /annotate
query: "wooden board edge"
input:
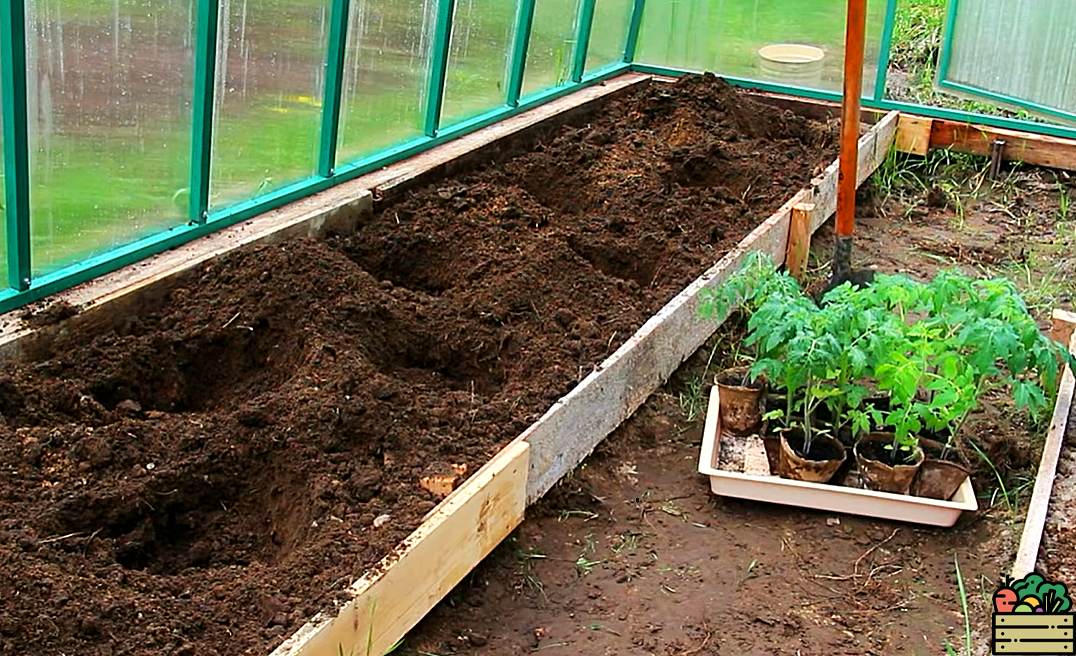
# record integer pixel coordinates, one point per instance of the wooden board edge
(407, 584)
(1028, 553)
(1026, 147)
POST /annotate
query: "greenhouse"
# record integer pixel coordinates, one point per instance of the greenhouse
(504, 326)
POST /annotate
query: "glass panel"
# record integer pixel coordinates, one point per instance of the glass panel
(726, 37)
(607, 38)
(549, 58)
(109, 85)
(267, 104)
(1024, 49)
(479, 58)
(386, 66)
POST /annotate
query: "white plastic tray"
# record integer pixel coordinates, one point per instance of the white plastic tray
(833, 498)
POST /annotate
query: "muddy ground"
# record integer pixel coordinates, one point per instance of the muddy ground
(631, 554)
(205, 478)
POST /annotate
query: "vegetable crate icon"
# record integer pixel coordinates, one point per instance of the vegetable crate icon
(1030, 618)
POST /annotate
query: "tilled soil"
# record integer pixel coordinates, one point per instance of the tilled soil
(205, 478)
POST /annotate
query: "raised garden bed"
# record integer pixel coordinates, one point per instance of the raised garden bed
(207, 476)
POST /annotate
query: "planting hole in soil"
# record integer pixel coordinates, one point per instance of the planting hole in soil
(205, 477)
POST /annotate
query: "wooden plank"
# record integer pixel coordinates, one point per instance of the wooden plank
(108, 301)
(1040, 150)
(873, 149)
(1028, 553)
(913, 134)
(799, 240)
(406, 585)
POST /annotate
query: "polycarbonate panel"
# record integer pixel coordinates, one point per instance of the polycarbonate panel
(1023, 49)
(549, 58)
(479, 58)
(267, 103)
(386, 69)
(725, 37)
(109, 86)
(609, 34)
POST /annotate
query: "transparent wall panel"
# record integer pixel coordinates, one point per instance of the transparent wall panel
(549, 58)
(386, 70)
(479, 58)
(267, 102)
(109, 86)
(726, 36)
(1023, 49)
(609, 34)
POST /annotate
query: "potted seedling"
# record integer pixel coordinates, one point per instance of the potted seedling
(741, 391)
(797, 353)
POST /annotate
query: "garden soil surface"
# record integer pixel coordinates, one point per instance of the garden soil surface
(632, 555)
(203, 479)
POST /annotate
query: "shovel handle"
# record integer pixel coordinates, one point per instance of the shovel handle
(853, 89)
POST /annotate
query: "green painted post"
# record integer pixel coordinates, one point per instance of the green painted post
(883, 52)
(582, 39)
(521, 41)
(442, 41)
(205, 75)
(16, 141)
(334, 86)
(947, 41)
(634, 27)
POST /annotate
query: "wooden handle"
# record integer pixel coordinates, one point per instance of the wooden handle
(853, 89)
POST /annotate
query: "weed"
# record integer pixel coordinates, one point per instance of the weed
(1063, 201)
(568, 514)
(963, 607)
(1012, 501)
(628, 541)
(586, 566)
(691, 401)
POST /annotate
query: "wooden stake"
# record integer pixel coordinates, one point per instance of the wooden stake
(799, 239)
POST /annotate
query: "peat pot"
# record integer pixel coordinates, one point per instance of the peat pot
(741, 401)
(878, 474)
(825, 458)
(939, 479)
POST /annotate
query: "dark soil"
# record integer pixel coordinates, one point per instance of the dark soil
(877, 451)
(205, 478)
(820, 451)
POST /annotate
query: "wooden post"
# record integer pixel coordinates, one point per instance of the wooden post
(799, 239)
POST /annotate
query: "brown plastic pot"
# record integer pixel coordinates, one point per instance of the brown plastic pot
(740, 405)
(939, 479)
(884, 477)
(794, 466)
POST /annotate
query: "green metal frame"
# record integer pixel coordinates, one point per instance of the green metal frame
(582, 39)
(205, 77)
(634, 27)
(24, 289)
(945, 60)
(520, 43)
(16, 146)
(334, 86)
(882, 74)
(442, 43)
